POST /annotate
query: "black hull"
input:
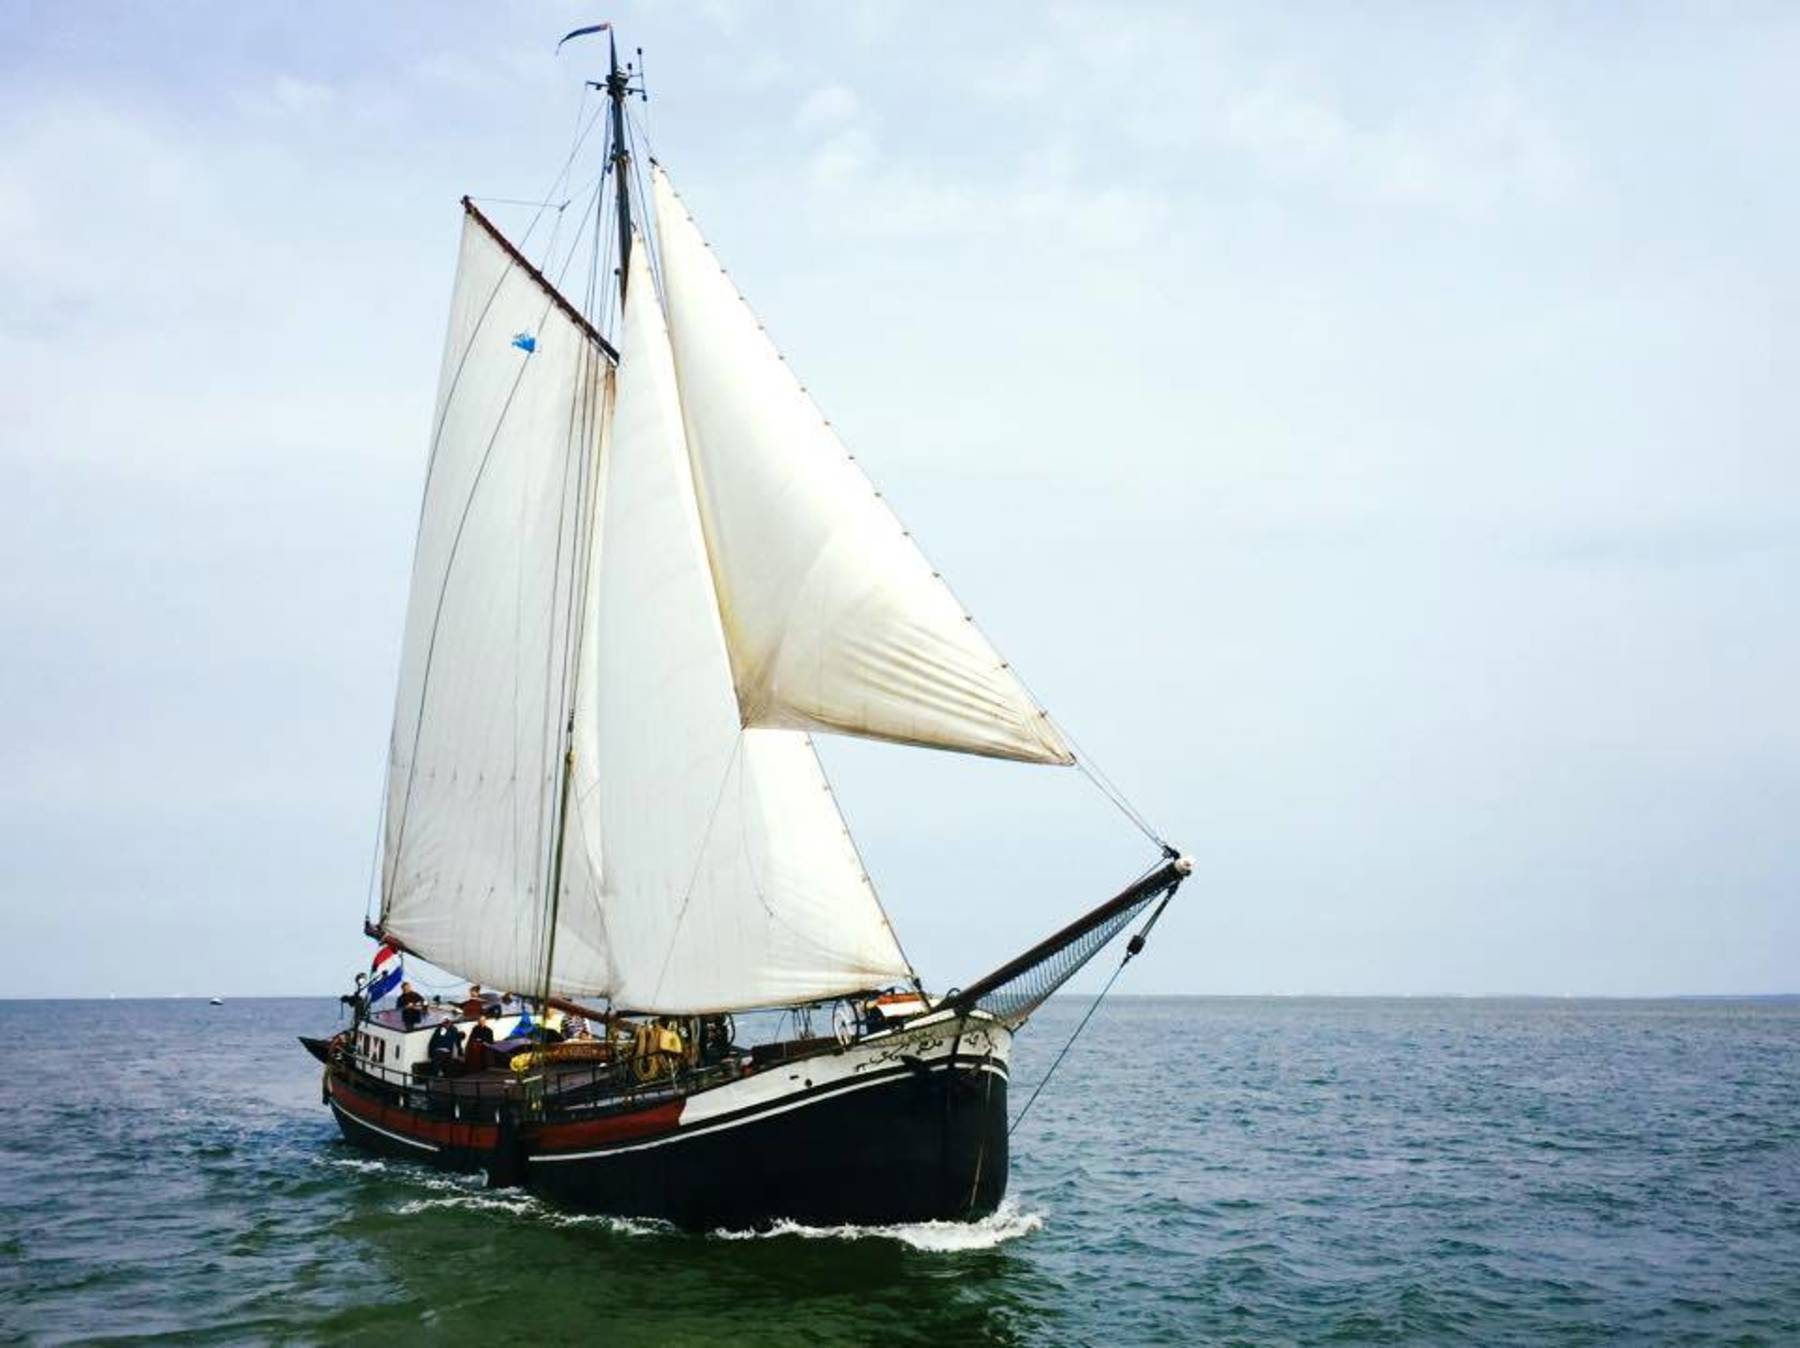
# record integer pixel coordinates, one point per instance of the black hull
(914, 1147)
(910, 1145)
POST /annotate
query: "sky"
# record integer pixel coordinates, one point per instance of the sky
(1370, 430)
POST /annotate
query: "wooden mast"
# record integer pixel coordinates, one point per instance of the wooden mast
(618, 84)
(617, 87)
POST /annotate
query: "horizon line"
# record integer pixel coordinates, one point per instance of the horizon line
(1117, 996)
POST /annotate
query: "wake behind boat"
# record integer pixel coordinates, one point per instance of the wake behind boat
(646, 573)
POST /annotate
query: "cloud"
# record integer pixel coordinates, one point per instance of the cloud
(301, 96)
(1470, 154)
(1675, 544)
(857, 189)
(59, 267)
(826, 109)
(1019, 76)
(1167, 83)
(856, 193)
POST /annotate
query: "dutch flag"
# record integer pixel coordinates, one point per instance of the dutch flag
(384, 973)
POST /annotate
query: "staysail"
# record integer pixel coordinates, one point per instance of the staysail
(833, 619)
(727, 876)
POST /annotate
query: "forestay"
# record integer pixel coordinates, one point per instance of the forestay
(833, 620)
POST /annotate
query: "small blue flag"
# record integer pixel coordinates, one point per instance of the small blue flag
(525, 342)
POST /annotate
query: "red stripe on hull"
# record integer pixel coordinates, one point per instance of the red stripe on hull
(469, 1136)
(638, 1123)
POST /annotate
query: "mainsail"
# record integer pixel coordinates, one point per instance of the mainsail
(477, 746)
(636, 591)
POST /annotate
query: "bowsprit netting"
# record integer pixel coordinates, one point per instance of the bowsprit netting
(1016, 989)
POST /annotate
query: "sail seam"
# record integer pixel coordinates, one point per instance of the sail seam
(687, 898)
(438, 611)
(861, 865)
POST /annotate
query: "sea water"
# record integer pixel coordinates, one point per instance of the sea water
(1198, 1171)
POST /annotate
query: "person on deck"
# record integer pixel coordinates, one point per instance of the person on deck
(553, 1024)
(411, 1004)
(446, 1043)
(472, 1004)
(481, 1038)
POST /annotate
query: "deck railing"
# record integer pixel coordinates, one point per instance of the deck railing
(545, 1091)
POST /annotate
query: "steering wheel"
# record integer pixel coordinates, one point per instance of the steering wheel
(843, 1022)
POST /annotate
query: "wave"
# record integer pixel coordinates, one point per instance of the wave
(360, 1164)
(469, 1193)
(468, 1202)
(1007, 1222)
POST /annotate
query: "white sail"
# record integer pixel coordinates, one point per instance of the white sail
(479, 718)
(726, 875)
(832, 618)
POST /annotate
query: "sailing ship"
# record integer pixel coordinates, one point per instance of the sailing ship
(647, 572)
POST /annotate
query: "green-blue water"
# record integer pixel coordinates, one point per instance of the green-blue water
(1257, 1171)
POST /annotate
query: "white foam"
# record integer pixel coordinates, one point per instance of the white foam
(361, 1165)
(471, 1202)
(470, 1194)
(624, 1226)
(1007, 1222)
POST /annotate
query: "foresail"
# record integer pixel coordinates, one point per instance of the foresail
(476, 751)
(832, 618)
(726, 876)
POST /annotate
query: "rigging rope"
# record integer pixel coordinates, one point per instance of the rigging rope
(387, 769)
(1104, 784)
(1135, 945)
(1089, 769)
(520, 201)
(636, 134)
